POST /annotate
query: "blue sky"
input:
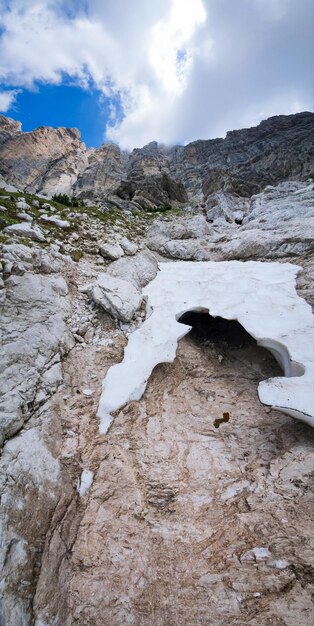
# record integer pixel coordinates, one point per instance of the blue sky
(63, 105)
(133, 71)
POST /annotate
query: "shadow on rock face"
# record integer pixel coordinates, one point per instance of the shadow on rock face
(216, 329)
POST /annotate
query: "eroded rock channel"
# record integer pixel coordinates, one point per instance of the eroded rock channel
(186, 522)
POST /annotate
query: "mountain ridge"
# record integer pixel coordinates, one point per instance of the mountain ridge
(54, 160)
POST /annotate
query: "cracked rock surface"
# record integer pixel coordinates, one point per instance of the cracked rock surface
(196, 506)
(186, 522)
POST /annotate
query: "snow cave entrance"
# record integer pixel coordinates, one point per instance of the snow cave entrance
(230, 334)
(230, 339)
(216, 330)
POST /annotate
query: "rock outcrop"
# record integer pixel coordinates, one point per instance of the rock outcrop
(45, 160)
(32, 349)
(103, 173)
(8, 128)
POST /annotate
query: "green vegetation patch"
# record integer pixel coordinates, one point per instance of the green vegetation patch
(91, 223)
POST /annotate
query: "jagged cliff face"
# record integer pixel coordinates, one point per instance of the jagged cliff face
(8, 128)
(105, 169)
(195, 507)
(42, 160)
(247, 160)
(51, 161)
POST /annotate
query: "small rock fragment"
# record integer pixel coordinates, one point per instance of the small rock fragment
(256, 554)
(278, 564)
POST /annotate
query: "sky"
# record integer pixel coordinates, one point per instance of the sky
(135, 71)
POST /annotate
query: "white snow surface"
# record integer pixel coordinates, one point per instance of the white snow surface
(85, 482)
(259, 295)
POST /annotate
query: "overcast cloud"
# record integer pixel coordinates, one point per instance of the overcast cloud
(180, 69)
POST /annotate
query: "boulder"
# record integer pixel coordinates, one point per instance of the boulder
(26, 230)
(128, 246)
(140, 269)
(180, 239)
(227, 206)
(21, 204)
(25, 217)
(111, 251)
(118, 297)
(145, 203)
(6, 186)
(55, 220)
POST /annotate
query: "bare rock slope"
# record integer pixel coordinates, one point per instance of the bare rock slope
(196, 506)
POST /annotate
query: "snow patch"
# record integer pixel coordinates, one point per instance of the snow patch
(261, 296)
(85, 482)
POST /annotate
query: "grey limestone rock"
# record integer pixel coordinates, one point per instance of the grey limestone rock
(32, 343)
(55, 220)
(117, 296)
(277, 223)
(21, 204)
(227, 206)
(26, 230)
(111, 251)
(25, 217)
(161, 233)
(128, 246)
(140, 269)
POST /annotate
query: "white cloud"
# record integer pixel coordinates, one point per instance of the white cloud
(7, 99)
(182, 69)
(168, 55)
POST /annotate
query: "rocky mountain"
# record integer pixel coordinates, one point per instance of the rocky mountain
(48, 161)
(42, 159)
(143, 480)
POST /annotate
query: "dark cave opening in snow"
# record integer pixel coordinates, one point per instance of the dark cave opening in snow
(216, 330)
(207, 330)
